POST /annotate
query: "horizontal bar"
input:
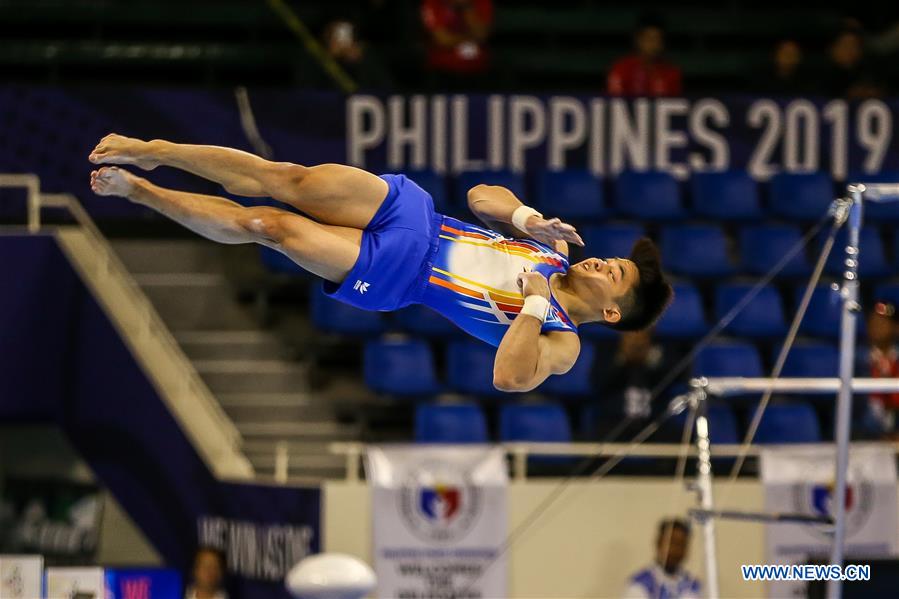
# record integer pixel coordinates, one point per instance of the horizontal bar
(885, 192)
(658, 450)
(807, 386)
(701, 514)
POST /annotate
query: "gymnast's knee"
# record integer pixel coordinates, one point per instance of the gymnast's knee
(264, 224)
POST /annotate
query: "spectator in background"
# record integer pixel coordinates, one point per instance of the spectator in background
(208, 575)
(457, 33)
(626, 384)
(665, 577)
(645, 72)
(342, 43)
(848, 74)
(785, 75)
(882, 361)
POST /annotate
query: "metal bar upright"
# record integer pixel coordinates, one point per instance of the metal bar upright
(849, 296)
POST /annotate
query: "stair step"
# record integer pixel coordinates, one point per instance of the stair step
(253, 431)
(195, 301)
(149, 256)
(247, 376)
(273, 400)
(282, 413)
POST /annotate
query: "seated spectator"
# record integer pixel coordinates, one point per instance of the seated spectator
(848, 73)
(785, 75)
(354, 56)
(625, 386)
(645, 72)
(208, 575)
(665, 577)
(882, 361)
(457, 35)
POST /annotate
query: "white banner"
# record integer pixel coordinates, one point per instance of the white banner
(439, 521)
(76, 583)
(20, 576)
(801, 480)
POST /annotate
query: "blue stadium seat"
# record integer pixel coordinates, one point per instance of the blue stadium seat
(727, 195)
(817, 360)
(469, 368)
(800, 197)
(400, 367)
(542, 422)
(570, 195)
(762, 247)
(650, 195)
(421, 320)
(450, 423)
(576, 382)
(722, 425)
(872, 258)
(822, 318)
(887, 212)
(728, 359)
(435, 184)
(788, 423)
(610, 241)
(331, 316)
(595, 331)
(468, 179)
(763, 317)
(684, 318)
(696, 250)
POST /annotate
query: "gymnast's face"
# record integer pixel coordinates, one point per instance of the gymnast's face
(603, 284)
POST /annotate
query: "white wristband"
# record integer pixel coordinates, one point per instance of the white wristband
(521, 216)
(536, 306)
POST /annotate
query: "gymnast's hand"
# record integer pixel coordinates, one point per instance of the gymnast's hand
(549, 231)
(533, 283)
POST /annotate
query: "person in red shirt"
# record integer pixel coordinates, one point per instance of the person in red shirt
(645, 72)
(457, 31)
(883, 362)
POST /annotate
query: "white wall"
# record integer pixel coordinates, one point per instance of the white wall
(589, 541)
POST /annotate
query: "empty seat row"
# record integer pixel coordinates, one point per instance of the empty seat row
(703, 251)
(763, 317)
(654, 195)
(548, 422)
(406, 367)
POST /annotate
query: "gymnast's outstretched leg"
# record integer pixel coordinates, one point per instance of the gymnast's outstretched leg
(333, 194)
(325, 250)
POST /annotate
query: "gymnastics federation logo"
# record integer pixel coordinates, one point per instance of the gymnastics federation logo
(820, 500)
(439, 503)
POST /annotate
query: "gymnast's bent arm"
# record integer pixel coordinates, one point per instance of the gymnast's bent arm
(525, 357)
(494, 206)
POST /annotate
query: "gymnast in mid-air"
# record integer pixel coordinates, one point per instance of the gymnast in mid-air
(378, 244)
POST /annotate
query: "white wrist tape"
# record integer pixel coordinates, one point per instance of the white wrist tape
(521, 215)
(536, 306)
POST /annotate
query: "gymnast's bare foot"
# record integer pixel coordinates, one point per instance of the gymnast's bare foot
(118, 149)
(113, 181)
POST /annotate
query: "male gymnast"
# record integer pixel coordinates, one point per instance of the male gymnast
(379, 245)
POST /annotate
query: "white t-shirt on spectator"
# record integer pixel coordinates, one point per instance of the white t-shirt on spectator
(654, 583)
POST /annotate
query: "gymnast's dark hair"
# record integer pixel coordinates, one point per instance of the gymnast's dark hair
(671, 524)
(643, 304)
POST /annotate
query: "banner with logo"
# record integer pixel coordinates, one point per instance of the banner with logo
(20, 576)
(55, 518)
(801, 480)
(451, 133)
(76, 583)
(439, 521)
